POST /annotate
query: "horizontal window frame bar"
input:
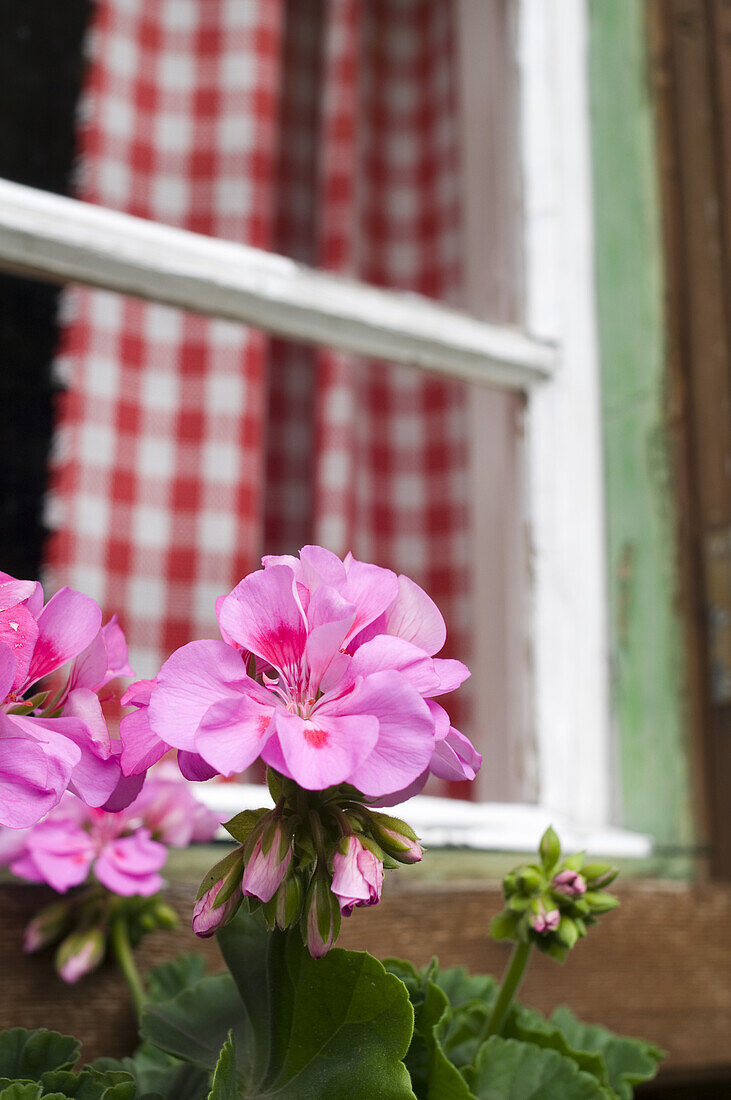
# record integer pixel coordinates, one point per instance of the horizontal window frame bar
(454, 823)
(62, 240)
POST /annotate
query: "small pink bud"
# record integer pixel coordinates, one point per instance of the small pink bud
(208, 919)
(265, 870)
(357, 875)
(80, 953)
(396, 838)
(544, 922)
(569, 883)
(46, 927)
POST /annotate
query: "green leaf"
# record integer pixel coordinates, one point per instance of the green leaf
(462, 988)
(159, 1075)
(22, 1090)
(242, 825)
(506, 1069)
(90, 1084)
(194, 1025)
(224, 1085)
(433, 1075)
(170, 978)
(628, 1061)
(322, 1029)
(26, 1055)
(471, 997)
(529, 1026)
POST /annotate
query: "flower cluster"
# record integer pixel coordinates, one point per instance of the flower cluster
(124, 852)
(326, 671)
(550, 904)
(53, 741)
(309, 861)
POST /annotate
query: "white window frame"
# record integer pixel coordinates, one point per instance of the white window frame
(554, 361)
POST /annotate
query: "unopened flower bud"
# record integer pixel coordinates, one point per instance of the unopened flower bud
(46, 927)
(599, 875)
(268, 864)
(600, 903)
(569, 883)
(550, 849)
(357, 875)
(397, 839)
(80, 953)
(165, 917)
(544, 922)
(529, 880)
(567, 933)
(321, 923)
(208, 917)
(286, 905)
(510, 884)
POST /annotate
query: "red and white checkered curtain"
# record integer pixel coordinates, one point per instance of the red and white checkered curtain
(186, 447)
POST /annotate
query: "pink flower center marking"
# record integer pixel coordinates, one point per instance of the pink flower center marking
(316, 738)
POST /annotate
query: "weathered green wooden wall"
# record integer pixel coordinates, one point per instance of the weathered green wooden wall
(648, 689)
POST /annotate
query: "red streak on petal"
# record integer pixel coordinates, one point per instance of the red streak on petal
(317, 738)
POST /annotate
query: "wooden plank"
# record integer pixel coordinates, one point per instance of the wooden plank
(647, 655)
(63, 240)
(658, 967)
(691, 50)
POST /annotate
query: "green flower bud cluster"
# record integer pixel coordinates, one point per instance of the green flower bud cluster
(551, 903)
(287, 856)
(80, 925)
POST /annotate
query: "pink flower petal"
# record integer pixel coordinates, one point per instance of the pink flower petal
(62, 852)
(416, 618)
(67, 625)
(125, 792)
(25, 795)
(194, 767)
(405, 734)
(84, 705)
(191, 680)
(54, 737)
(233, 732)
(265, 616)
(372, 590)
(325, 749)
(451, 674)
(128, 865)
(385, 652)
(320, 566)
(117, 651)
(90, 667)
(8, 665)
(455, 758)
(19, 634)
(333, 618)
(141, 748)
(13, 591)
(138, 694)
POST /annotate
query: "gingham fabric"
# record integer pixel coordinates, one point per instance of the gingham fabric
(187, 447)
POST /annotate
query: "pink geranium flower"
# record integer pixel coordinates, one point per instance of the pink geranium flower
(324, 671)
(51, 742)
(124, 850)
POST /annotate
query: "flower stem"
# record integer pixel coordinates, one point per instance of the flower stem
(123, 952)
(511, 984)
